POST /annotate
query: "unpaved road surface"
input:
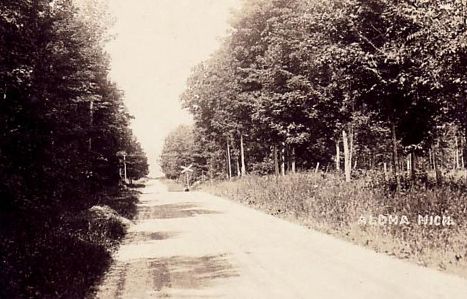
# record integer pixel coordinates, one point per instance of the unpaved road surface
(194, 245)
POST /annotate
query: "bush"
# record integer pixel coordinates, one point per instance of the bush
(122, 201)
(64, 256)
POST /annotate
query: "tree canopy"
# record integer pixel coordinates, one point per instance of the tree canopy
(293, 75)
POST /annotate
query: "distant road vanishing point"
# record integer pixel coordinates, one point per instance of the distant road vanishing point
(195, 245)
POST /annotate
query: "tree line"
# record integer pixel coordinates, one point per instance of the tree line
(333, 84)
(63, 120)
(62, 123)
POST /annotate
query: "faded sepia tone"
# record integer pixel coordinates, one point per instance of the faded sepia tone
(233, 149)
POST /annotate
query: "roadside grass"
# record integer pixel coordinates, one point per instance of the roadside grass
(326, 203)
(64, 256)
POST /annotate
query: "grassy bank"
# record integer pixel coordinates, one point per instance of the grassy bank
(326, 203)
(62, 256)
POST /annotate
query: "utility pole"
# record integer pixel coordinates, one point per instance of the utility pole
(123, 154)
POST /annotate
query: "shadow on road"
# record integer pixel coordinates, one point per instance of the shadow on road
(177, 276)
(141, 236)
(169, 211)
(182, 272)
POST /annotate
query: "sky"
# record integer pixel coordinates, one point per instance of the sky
(157, 43)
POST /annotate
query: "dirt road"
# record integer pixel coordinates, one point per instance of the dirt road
(194, 245)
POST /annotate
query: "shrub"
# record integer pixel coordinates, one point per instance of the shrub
(62, 256)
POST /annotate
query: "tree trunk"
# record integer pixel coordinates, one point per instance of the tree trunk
(293, 160)
(351, 146)
(125, 169)
(211, 173)
(395, 157)
(276, 162)
(283, 159)
(462, 152)
(229, 163)
(412, 165)
(435, 166)
(242, 156)
(385, 169)
(239, 174)
(456, 157)
(407, 163)
(430, 157)
(347, 162)
(91, 122)
(338, 156)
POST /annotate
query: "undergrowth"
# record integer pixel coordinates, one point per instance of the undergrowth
(62, 256)
(327, 203)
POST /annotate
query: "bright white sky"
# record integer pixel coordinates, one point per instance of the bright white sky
(157, 43)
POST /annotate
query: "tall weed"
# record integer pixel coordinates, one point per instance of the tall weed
(327, 203)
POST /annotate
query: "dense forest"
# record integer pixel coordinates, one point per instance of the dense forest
(63, 123)
(330, 84)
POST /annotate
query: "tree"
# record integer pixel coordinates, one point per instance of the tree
(177, 151)
(62, 123)
(297, 77)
